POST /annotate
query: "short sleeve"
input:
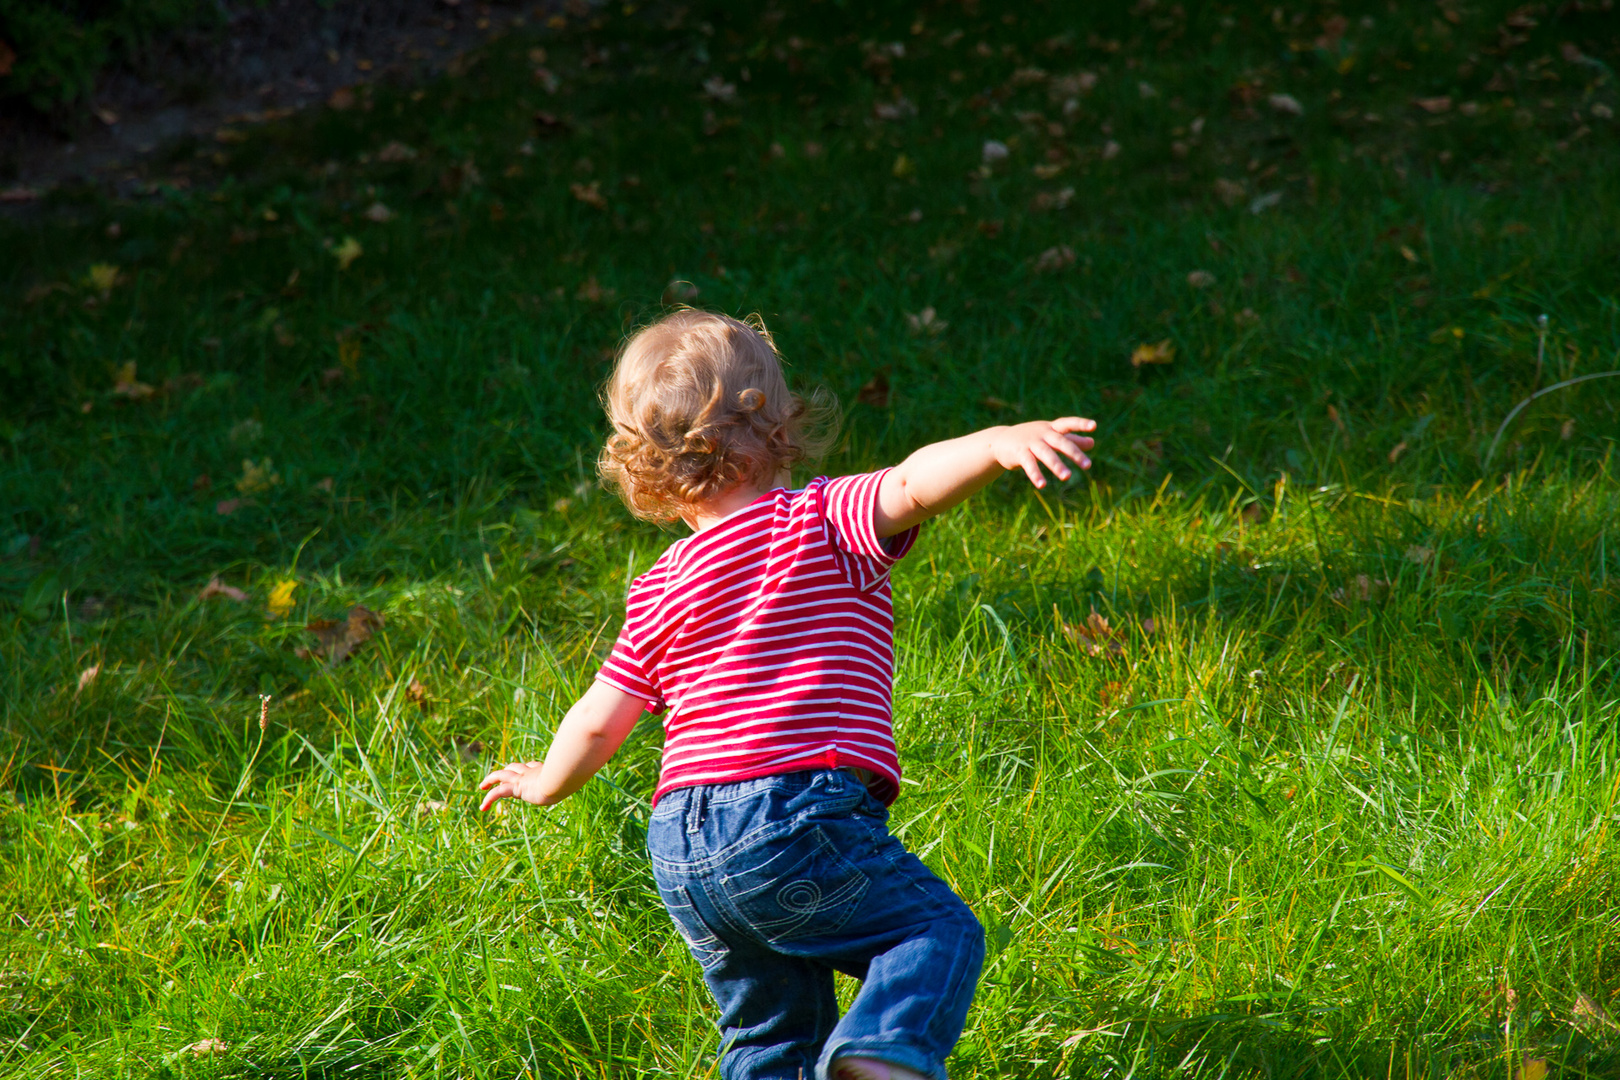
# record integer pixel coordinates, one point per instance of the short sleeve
(849, 506)
(624, 670)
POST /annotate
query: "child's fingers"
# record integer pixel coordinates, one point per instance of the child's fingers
(1050, 459)
(1032, 467)
(1074, 423)
(1073, 447)
(502, 791)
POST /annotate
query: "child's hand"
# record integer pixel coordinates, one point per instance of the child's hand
(1039, 442)
(518, 780)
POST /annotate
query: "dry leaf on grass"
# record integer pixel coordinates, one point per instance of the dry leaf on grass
(1286, 103)
(126, 385)
(1433, 105)
(216, 587)
(926, 321)
(1054, 259)
(679, 292)
(1590, 1017)
(874, 392)
(1201, 279)
(379, 213)
(280, 600)
(590, 194)
(206, 1046)
(395, 152)
(88, 676)
(347, 251)
(1162, 352)
(417, 694)
(338, 639)
(1094, 636)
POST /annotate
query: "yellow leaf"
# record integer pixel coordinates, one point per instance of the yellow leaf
(257, 477)
(102, 277)
(348, 251)
(903, 167)
(281, 598)
(1161, 353)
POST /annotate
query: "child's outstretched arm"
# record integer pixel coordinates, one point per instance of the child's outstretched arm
(940, 475)
(593, 729)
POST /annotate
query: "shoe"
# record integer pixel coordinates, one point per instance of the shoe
(865, 1068)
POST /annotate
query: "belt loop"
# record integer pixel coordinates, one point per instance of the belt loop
(697, 809)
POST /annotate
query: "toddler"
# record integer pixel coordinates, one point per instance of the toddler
(767, 641)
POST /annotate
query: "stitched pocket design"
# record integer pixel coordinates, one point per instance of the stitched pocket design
(706, 948)
(794, 888)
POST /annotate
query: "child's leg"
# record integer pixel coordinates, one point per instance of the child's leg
(777, 882)
(924, 950)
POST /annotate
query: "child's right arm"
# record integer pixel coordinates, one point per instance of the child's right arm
(940, 475)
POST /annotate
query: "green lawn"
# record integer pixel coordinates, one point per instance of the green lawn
(1285, 744)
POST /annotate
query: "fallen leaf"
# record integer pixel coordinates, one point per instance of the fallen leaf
(1046, 170)
(593, 291)
(101, 277)
(1396, 451)
(1094, 636)
(993, 151)
(874, 392)
(1110, 150)
(589, 194)
(395, 152)
(1162, 352)
(206, 1046)
(1590, 1017)
(1531, 1069)
(347, 251)
(1601, 111)
(431, 806)
(547, 125)
(1286, 103)
(1054, 259)
(105, 115)
(1052, 200)
(718, 89)
(679, 292)
(126, 385)
(1261, 203)
(1147, 90)
(903, 167)
(338, 639)
(1201, 279)
(1230, 192)
(898, 109)
(257, 476)
(1567, 431)
(1435, 105)
(18, 193)
(417, 694)
(280, 601)
(379, 213)
(88, 676)
(227, 507)
(927, 322)
(993, 402)
(216, 587)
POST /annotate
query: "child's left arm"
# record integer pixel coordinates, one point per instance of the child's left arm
(589, 735)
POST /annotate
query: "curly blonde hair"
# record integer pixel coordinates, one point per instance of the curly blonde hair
(698, 406)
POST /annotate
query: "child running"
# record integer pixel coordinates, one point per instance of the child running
(767, 641)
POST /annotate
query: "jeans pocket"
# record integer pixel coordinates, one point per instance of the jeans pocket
(706, 947)
(794, 887)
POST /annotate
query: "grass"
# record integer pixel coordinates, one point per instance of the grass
(1344, 807)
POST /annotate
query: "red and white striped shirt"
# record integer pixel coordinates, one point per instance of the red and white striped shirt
(769, 636)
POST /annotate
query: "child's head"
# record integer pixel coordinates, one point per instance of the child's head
(698, 406)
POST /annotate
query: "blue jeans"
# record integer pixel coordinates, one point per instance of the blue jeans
(776, 883)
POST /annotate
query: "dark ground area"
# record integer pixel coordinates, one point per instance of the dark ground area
(265, 60)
